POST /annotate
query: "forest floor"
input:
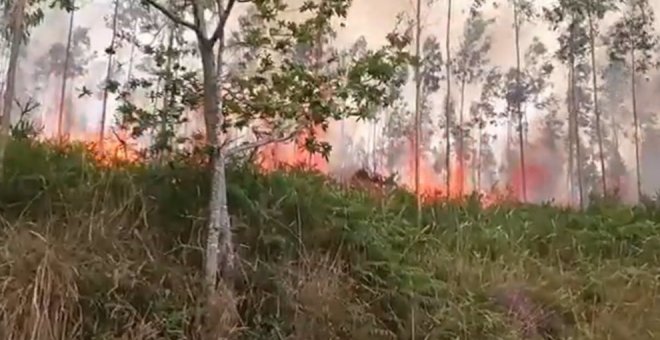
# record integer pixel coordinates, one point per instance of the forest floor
(91, 252)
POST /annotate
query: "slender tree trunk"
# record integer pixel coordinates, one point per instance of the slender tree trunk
(578, 156)
(570, 178)
(461, 140)
(108, 75)
(617, 153)
(576, 121)
(478, 158)
(219, 235)
(633, 85)
(448, 121)
(599, 132)
(374, 132)
(65, 74)
(418, 106)
(519, 111)
(168, 101)
(129, 72)
(220, 258)
(220, 252)
(17, 18)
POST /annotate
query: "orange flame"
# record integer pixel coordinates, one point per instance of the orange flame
(293, 154)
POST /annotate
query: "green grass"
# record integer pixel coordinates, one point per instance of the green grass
(95, 253)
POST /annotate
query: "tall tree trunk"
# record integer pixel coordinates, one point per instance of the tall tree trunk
(65, 73)
(219, 233)
(129, 72)
(374, 132)
(448, 121)
(220, 252)
(617, 153)
(599, 132)
(108, 75)
(578, 155)
(168, 100)
(418, 106)
(461, 140)
(570, 178)
(478, 158)
(220, 258)
(633, 80)
(17, 17)
(519, 111)
(576, 120)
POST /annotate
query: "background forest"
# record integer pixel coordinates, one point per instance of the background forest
(331, 169)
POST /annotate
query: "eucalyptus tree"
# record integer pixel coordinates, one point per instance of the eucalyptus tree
(470, 68)
(162, 75)
(110, 51)
(596, 11)
(428, 59)
(284, 93)
(615, 86)
(566, 17)
(448, 101)
(524, 88)
(20, 15)
(522, 11)
(67, 61)
(633, 39)
(483, 115)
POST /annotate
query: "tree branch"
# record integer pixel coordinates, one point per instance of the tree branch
(199, 20)
(171, 15)
(263, 142)
(222, 21)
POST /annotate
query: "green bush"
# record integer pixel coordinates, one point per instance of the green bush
(91, 251)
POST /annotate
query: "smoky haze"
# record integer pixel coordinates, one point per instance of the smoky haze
(372, 19)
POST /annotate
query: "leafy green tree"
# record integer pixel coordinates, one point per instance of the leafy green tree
(283, 93)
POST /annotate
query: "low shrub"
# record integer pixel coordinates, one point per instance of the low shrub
(92, 251)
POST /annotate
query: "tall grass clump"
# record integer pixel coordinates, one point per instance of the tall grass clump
(92, 251)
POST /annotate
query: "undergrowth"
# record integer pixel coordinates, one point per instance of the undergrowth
(92, 252)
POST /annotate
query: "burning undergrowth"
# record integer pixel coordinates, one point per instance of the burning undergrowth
(116, 252)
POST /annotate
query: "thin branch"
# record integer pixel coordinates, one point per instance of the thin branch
(172, 16)
(222, 21)
(262, 142)
(198, 17)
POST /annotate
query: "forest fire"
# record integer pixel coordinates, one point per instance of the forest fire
(432, 186)
(292, 154)
(120, 148)
(116, 149)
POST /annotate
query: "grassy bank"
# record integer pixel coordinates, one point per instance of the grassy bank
(95, 253)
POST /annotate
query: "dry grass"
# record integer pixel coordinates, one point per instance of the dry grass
(103, 257)
(65, 285)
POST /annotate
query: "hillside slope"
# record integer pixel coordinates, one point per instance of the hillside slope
(114, 253)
